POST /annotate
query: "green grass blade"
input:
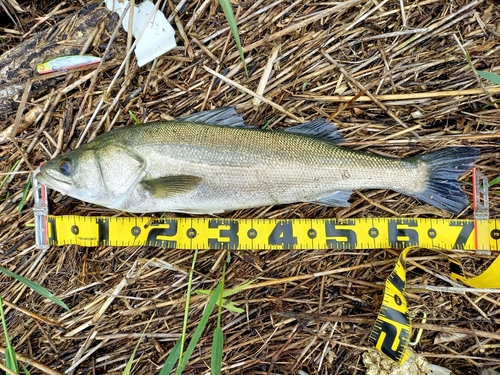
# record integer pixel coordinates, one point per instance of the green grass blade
(217, 347)
(4, 323)
(37, 288)
(10, 353)
(25, 194)
(493, 77)
(11, 170)
(186, 310)
(199, 329)
(10, 358)
(227, 292)
(136, 120)
(494, 181)
(128, 367)
(238, 288)
(228, 12)
(26, 371)
(203, 291)
(490, 104)
(171, 359)
(228, 305)
(233, 307)
(218, 341)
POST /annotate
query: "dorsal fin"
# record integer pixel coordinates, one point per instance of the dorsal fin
(319, 128)
(224, 116)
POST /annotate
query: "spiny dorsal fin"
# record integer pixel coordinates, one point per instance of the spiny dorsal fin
(170, 186)
(319, 128)
(227, 116)
(224, 116)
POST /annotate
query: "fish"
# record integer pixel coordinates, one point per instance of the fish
(65, 63)
(210, 162)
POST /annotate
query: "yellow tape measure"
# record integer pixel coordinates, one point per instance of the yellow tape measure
(392, 329)
(277, 234)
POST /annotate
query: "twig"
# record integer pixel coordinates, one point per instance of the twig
(298, 25)
(435, 28)
(367, 14)
(388, 35)
(396, 97)
(250, 92)
(362, 88)
(451, 289)
(93, 82)
(7, 370)
(40, 366)
(467, 58)
(130, 28)
(266, 74)
(403, 13)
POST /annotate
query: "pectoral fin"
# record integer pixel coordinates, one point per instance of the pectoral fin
(169, 186)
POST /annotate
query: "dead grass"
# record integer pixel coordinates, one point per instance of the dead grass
(387, 76)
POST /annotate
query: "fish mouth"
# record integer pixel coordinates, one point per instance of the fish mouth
(51, 182)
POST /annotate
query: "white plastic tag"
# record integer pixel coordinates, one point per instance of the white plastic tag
(158, 37)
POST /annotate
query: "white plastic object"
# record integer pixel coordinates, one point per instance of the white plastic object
(158, 37)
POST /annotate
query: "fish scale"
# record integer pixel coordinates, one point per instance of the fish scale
(261, 165)
(268, 151)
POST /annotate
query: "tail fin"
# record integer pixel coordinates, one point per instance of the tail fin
(446, 166)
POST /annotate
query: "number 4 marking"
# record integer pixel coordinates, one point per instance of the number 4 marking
(282, 234)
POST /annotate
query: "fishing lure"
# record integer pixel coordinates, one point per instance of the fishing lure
(64, 63)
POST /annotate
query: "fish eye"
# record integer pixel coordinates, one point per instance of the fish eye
(65, 167)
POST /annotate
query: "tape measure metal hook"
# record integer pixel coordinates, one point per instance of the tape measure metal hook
(420, 331)
(40, 213)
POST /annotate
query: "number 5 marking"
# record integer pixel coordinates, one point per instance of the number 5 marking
(334, 229)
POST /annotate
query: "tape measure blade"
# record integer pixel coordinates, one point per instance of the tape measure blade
(247, 234)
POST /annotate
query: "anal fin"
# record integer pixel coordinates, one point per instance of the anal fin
(337, 199)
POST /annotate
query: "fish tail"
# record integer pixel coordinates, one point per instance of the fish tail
(445, 167)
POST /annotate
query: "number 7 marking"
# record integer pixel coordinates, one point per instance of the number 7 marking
(465, 232)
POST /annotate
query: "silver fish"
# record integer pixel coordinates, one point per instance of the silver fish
(212, 162)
